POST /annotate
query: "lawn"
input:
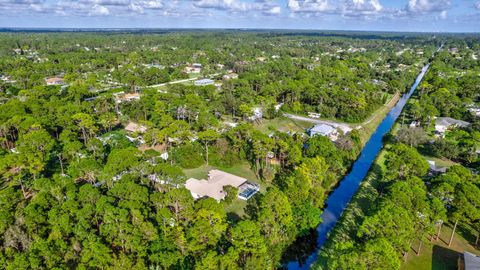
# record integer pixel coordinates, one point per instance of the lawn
(370, 125)
(440, 162)
(437, 255)
(282, 124)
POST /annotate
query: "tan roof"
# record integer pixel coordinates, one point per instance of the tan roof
(213, 188)
(54, 80)
(134, 127)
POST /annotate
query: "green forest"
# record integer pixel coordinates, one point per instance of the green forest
(99, 133)
(406, 202)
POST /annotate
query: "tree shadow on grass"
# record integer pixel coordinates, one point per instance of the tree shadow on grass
(444, 258)
(233, 217)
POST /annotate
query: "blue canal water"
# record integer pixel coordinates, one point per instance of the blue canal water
(341, 196)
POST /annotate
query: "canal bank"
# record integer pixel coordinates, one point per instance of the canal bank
(341, 196)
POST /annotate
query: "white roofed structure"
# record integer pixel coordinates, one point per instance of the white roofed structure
(217, 180)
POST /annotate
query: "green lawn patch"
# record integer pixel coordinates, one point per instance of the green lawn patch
(283, 124)
(437, 255)
(370, 125)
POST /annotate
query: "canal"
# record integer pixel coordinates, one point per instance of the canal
(341, 196)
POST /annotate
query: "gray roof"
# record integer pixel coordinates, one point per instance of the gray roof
(447, 121)
(204, 82)
(322, 129)
(472, 261)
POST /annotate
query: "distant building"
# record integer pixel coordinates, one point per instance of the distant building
(135, 128)
(204, 82)
(193, 69)
(154, 66)
(442, 124)
(434, 169)
(230, 76)
(475, 111)
(414, 124)
(54, 81)
(217, 180)
(126, 97)
(257, 114)
(324, 130)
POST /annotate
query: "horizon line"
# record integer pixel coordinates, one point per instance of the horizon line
(106, 29)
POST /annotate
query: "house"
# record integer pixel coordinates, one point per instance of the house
(7, 79)
(230, 76)
(257, 114)
(203, 82)
(324, 130)
(55, 81)
(475, 111)
(442, 124)
(469, 261)
(126, 97)
(217, 180)
(414, 124)
(193, 69)
(434, 169)
(135, 128)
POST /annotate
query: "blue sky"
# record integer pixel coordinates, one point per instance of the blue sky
(391, 15)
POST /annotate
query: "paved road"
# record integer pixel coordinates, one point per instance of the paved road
(181, 81)
(344, 127)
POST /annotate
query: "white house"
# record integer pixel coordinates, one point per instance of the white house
(204, 82)
(217, 180)
(442, 124)
(475, 111)
(324, 130)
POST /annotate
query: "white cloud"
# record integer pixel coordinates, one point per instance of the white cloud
(309, 6)
(266, 7)
(276, 10)
(230, 5)
(22, 6)
(99, 10)
(362, 8)
(105, 7)
(477, 5)
(427, 6)
(444, 14)
(346, 8)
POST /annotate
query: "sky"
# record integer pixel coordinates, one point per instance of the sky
(377, 15)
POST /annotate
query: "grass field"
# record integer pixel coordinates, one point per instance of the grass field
(370, 125)
(437, 255)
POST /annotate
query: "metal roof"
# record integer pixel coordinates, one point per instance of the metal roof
(322, 129)
(472, 261)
